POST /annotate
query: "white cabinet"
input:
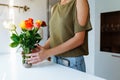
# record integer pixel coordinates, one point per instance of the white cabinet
(107, 65)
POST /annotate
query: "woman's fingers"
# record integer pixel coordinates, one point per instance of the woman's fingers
(34, 61)
(33, 58)
(32, 54)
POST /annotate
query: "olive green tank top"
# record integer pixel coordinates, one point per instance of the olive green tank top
(63, 26)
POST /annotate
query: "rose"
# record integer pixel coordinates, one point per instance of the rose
(28, 24)
(43, 23)
(10, 26)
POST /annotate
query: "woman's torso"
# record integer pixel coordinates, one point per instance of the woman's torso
(62, 28)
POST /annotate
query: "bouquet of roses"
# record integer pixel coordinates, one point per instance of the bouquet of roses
(28, 37)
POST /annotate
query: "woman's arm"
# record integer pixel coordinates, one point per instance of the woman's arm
(72, 43)
(82, 11)
(47, 44)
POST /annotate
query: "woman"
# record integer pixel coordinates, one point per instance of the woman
(69, 25)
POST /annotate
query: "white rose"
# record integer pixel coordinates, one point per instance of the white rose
(10, 26)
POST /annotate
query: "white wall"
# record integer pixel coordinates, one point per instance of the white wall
(38, 10)
(90, 58)
(101, 63)
(4, 34)
(105, 65)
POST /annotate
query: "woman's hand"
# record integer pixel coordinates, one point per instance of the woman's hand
(38, 56)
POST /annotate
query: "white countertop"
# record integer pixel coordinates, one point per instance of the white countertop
(11, 68)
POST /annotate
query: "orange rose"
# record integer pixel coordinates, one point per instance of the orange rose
(29, 24)
(31, 20)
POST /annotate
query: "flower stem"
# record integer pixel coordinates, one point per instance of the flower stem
(16, 32)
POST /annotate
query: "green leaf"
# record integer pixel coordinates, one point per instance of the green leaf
(15, 38)
(35, 30)
(38, 37)
(14, 44)
(28, 33)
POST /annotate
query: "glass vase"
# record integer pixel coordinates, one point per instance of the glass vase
(24, 61)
